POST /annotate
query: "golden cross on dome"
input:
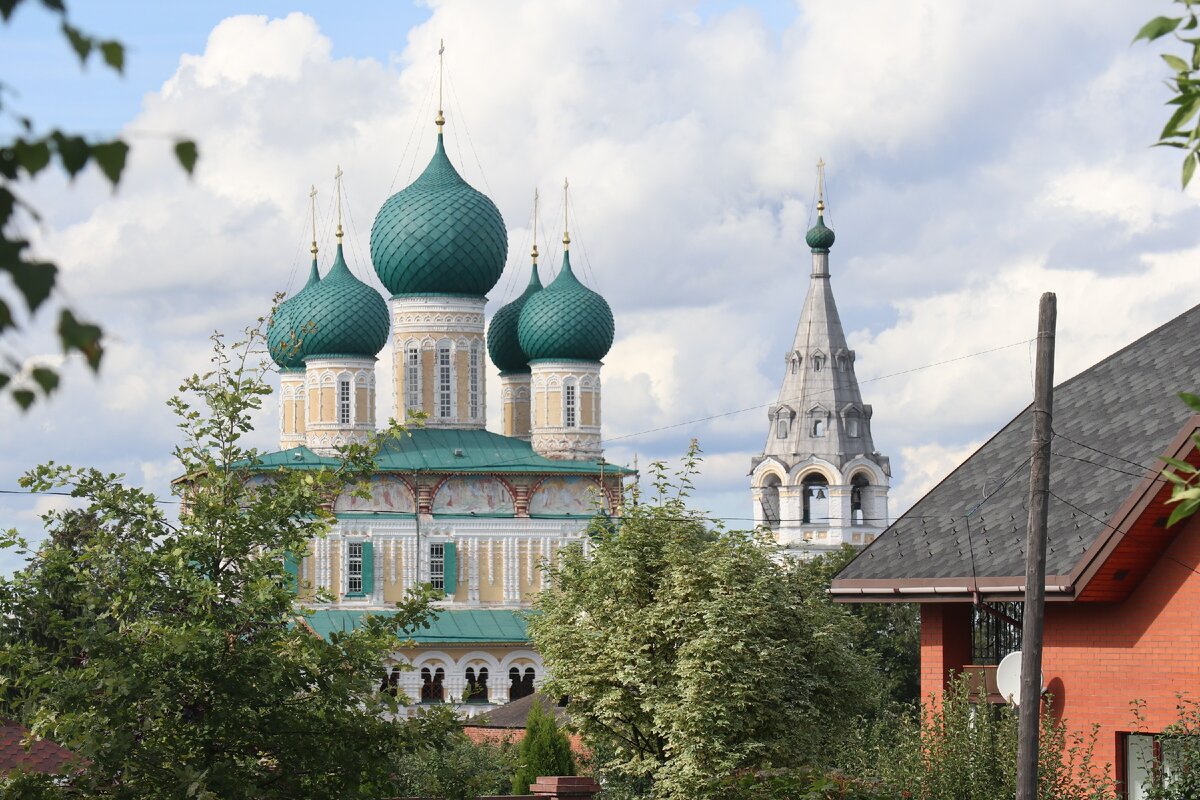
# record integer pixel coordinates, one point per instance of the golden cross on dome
(441, 118)
(534, 254)
(820, 185)
(337, 180)
(313, 196)
(566, 217)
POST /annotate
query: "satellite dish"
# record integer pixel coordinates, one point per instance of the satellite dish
(1008, 678)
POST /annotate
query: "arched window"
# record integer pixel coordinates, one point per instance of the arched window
(444, 379)
(412, 377)
(520, 685)
(432, 689)
(816, 500)
(818, 428)
(781, 427)
(570, 405)
(853, 426)
(391, 682)
(770, 501)
(343, 403)
(473, 381)
(858, 484)
(477, 688)
(795, 363)
(816, 362)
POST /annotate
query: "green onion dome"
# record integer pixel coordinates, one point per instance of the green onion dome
(819, 237)
(566, 320)
(341, 316)
(282, 337)
(439, 236)
(504, 345)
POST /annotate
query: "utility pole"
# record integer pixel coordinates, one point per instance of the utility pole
(1035, 554)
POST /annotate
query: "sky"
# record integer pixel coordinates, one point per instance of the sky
(978, 155)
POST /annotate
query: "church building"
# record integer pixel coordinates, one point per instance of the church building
(819, 483)
(471, 511)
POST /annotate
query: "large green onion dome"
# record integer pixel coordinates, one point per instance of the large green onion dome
(341, 316)
(504, 345)
(439, 236)
(819, 237)
(282, 337)
(566, 321)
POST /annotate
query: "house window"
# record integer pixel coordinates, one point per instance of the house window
(816, 500)
(1154, 762)
(437, 566)
(995, 631)
(781, 428)
(354, 568)
(432, 688)
(520, 685)
(817, 363)
(344, 401)
(477, 688)
(474, 381)
(569, 420)
(443, 354)
(818, 428)
(412, 378)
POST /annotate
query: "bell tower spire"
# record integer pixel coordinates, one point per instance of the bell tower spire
(819, 483)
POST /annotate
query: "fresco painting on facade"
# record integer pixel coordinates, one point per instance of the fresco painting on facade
(567, 495)
(470, 495)
(388, 494)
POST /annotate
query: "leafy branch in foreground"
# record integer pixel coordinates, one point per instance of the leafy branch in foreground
(22, 158)
(169, 654)
(1184, 478)
(1182, 130)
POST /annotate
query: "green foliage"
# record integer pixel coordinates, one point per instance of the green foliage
(166, 653)
(1177, 776)
(804, 784)
(960, 751)
(690, 654)
(545, 750)
(447, 764)
(21, 159)
(1185, 478)
(1182, 130)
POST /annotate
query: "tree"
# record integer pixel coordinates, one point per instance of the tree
(167, 653)
(1182, 130)
(21, 159)
(545, 750)
(447, 764)
(690, 653)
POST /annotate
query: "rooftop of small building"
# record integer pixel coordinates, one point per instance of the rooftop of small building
(515, 714)
(447, 627)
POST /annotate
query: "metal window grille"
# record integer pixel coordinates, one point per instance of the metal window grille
(354, 566)
(569, 405)
(437, 566)
(444, 382)
(474, 381)
(995, 631)
(344, 402)
(412, 382)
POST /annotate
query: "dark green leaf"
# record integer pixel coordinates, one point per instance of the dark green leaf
(4, 379)
(81, 43)
(81, 336)
(73, 152)
(32, 156)
(6, 319)
(34, 280)
(7, 203)
(1183, 466)
(1192, 400)
(1186, 111)
(186, 152)
(1159, 26)
(46, 378)
(1175, 62)
(6, 8)
(110, 157)
(24, 399)
(114, 54)
(1189, 168)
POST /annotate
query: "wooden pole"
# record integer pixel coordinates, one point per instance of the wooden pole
(1035, 554)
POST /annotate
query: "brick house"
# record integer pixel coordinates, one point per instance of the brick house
(1122, 621)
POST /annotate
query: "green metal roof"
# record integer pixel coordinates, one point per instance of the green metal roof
(449, 627)
(566, 320)
(439, 235)
(436, 450)
(341, 315)
(283, 340)
(504, 345)
(819, 237)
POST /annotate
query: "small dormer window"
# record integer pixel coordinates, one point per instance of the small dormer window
(781, 428)
(795, 364)
(852, 427)
(818, 428)
(816, 361)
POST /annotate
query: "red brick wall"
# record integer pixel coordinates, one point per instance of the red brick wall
(945, 644)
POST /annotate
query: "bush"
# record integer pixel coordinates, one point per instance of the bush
(448, 764)
(545, 750)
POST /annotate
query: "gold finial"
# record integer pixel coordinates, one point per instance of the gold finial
(337, 181)
(313, 196)
(441, 118)
(566, 217)
(820, 186)
(534, 254)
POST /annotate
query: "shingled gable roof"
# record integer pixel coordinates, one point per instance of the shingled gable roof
(966, 537)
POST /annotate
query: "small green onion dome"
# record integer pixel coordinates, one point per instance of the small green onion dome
(439, 236)
(504, 345)
(566, 320)
(282, 338)
(819, 237)
(341, 316)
